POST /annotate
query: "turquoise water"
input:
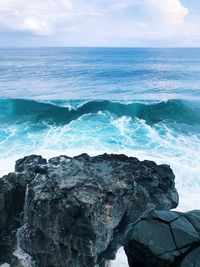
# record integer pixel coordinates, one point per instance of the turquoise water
(142, 102)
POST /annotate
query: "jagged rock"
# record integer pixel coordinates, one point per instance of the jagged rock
(75, 209)
(164, 239)
(12, 194)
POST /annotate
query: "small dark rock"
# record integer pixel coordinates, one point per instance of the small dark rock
(164, 239)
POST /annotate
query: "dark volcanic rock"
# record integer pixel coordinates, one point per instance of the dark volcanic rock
(77, 208)
(165, 239)
(12, 194)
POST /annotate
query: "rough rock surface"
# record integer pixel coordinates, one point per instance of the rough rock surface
(165, 239)
(76, 208)
(12, 194)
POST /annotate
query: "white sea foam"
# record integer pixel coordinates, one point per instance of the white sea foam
(121, 259)
(100, 133)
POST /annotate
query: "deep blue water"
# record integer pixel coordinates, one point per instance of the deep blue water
(96, 73)
(142, 102)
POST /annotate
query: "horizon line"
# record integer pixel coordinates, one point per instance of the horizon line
(134, 47)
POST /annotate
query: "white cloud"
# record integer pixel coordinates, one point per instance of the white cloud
(162, 21)
(121, 5)
(45, 17)
(34, 16)
(41, 17)
(167, 12)
(98, 22)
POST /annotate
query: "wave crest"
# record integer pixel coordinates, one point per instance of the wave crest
(20, 110)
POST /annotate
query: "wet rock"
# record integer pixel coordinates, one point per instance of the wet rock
(12, 194)
(164, 239)
(76, 209)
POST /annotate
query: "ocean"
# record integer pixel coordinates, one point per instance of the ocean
(143, 102)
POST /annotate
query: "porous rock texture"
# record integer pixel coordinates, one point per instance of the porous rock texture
(75, 210)
(165, 239)
(12, 195)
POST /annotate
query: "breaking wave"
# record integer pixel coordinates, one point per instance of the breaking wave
(179, 111)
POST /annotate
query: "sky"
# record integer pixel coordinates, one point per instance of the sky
(102, 23)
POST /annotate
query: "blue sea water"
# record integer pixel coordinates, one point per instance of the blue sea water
(141, 102)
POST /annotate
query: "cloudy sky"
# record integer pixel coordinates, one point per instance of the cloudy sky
(100, 23)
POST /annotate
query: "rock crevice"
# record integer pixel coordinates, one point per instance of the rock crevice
(164, 239)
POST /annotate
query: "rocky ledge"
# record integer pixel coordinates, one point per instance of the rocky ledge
(72, 212)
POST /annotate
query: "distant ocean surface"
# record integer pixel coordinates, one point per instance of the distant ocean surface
(141, 102)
